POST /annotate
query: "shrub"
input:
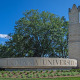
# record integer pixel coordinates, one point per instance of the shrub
(18, 71)
(21, 72)
(31, 71)
(10, 75)
(18, 76)
(23, 76)
(24, 71)
(0, 75)
(45, 75)
(5, 75)
(58, 74)
(27, 72)
(51, 75)
(46, 71)
(64, 74)
(14, 72)
(36, 71)
(58, 70)
(9, 72)
(38, 75)
(29, 75)
(34, 75)
(41, 71)
(2, 72)
(51, 71)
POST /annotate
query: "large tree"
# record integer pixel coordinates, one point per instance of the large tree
(39, 34)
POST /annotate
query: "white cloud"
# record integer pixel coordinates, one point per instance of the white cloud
(5, 36)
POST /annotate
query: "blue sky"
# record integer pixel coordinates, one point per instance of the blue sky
(12, 10)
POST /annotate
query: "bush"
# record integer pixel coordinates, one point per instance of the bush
(21, 72)
(14, 72)
(51, 71)
(45, 75)
(41, 71)
(5, 75)
(46, 71)
(51, 75)
(10, 75)
(18, 76)
(0, 75)
(23, 76)
(58, 70)
(30, 76)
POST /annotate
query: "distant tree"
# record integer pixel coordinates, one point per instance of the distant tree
(38, 35)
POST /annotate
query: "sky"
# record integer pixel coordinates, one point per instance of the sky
(12, 10)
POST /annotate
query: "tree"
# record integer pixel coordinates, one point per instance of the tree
(38, 35)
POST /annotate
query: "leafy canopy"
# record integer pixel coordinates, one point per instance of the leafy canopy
(39, 34)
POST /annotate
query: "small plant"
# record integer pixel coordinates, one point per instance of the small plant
(21, 72)
(36, 71)
(51, 75)
(30, 76)
(41, 71)
(23, 76)
(14, 72)
(18, 76)
(46, 71)
(62, 70)
(31, 71)
(27, 72)
(45, 75)
(64, 74)
(51, 71)
(34, 75)
(18, 71)
(59, 74)
(58, 70)
(24, 71)
(0, 75)
(10, 75)
(68, 74)
(5, 75)
(9, 72)
(2, 72)
(38, 75)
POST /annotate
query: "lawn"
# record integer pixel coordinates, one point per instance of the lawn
(68, 78)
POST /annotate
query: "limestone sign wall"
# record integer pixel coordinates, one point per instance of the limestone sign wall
(36, 62)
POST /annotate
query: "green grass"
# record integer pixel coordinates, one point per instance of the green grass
(66, 78)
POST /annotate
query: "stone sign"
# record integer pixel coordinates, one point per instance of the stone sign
(36, 62)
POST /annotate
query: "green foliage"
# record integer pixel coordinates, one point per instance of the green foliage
(23, 76)
(51, 75)
(18, 76)
(14, 72)
(5, 75)
(37, 34)
(30, 75)
(0, 75)
(38, 75)
(10, 75)
(2, 72)
(51, 71)
(41, 71)
(45, 75)
(21, 72)
(46, 71)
